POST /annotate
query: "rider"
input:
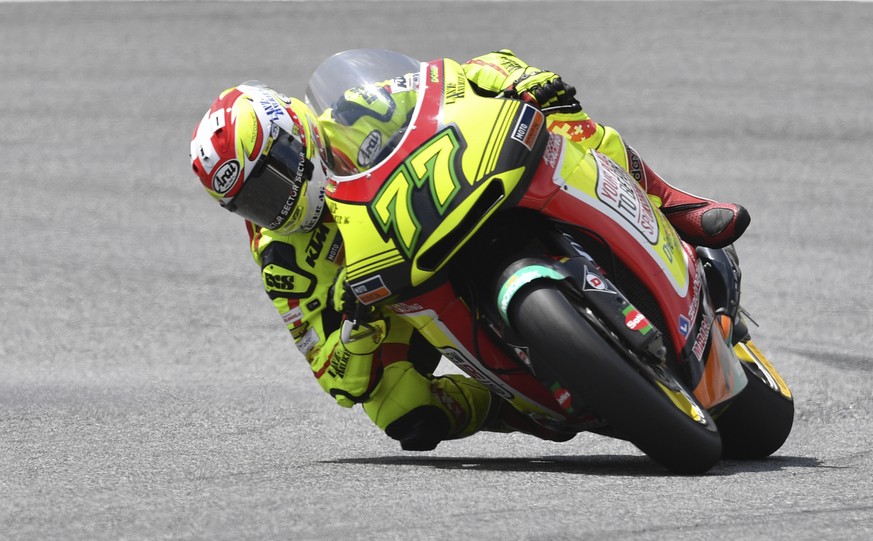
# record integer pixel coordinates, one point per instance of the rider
(267, 157)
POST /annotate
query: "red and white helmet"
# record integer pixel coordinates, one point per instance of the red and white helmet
(259, 153)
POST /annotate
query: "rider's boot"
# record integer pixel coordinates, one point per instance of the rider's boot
(699, 221)
(502, 417)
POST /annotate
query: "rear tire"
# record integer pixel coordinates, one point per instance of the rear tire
(757, 422)
(596, 371)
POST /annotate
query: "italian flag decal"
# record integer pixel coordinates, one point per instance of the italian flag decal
(636, 321)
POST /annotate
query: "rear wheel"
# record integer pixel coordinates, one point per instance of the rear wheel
(651, 410)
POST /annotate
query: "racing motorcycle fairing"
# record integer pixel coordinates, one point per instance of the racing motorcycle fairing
(479, 182)
(444, 180)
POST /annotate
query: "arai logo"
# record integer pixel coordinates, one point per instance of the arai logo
(225, 178)
(370, 148)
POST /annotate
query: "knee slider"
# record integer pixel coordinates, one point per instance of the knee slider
(421, 429)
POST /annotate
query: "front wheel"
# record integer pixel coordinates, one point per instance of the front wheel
(655, 414)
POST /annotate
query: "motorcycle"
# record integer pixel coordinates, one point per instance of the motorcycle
(544, 271)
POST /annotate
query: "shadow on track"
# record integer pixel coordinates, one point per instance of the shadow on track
(617, 465)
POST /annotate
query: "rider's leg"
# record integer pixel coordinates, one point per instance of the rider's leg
(699, 221)
(421, 411)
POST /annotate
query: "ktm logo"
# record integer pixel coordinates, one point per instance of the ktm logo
(316, 244)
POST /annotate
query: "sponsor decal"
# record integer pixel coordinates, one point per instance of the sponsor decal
(370, 148)
(339, 361)
(455, 91)
(292, 199)
(316, 244)
(595, 283)
(283, 282)
(472, 369)
(272, 108)
(371, 290)
(278, 282)
(635, 167)
(299, 331)
(528, 126)
(620, 192)
(307, 342)
(702, 337)
(404, 83)
(553, 150)
(695, 304)
(434, 74)
(636, 321)
(523, 353)
(684, 326)
(334, 255)
(403, 308)
(293, 317)
(225, 177)
(563, 397)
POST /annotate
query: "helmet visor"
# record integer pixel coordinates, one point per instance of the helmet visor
(271, 195)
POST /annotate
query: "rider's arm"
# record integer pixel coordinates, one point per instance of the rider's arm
(298, 272)
(502, 70)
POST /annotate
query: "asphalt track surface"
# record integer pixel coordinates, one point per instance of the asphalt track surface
(149, 391)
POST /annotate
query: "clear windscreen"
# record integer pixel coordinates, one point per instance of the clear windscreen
(352, 69)
(358, 84)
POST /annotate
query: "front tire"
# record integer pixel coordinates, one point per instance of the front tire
(594, 369)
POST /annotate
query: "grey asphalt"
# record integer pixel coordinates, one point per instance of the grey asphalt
(149, 391)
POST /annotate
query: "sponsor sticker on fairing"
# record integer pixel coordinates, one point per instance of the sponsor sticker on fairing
(621, 193)
(553, 150)
(636, 321)
(563, 397)
(404, 308)
(692, 310)
(528, 126)
(702, 337)
(595, 282)
(472, 368)
(684, 326)
(371, 290)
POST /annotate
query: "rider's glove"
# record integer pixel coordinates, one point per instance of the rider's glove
(348, 373)
(503, 72)
(544, 89)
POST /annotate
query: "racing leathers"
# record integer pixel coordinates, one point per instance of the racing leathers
(391, 371)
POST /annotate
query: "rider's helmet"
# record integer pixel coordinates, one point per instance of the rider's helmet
(259, 153)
